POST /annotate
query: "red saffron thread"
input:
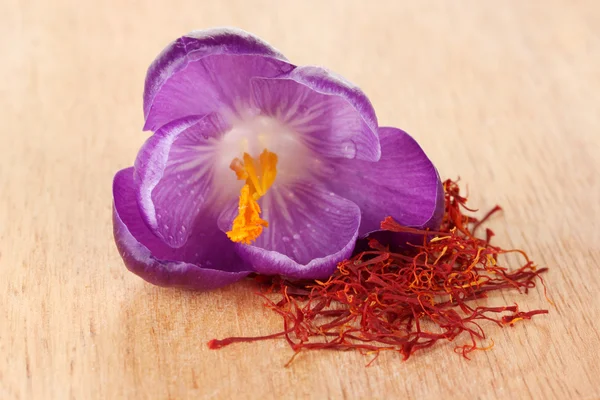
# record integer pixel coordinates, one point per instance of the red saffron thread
(383, 300)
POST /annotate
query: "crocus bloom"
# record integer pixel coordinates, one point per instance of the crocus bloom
(257, 165)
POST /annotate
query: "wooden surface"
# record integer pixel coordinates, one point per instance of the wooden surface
(504, 94)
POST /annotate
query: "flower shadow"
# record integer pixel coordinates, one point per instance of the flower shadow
(164, 332)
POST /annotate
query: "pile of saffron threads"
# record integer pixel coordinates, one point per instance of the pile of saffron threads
(404, 301)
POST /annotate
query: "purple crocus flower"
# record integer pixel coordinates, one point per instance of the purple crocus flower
(257, 165)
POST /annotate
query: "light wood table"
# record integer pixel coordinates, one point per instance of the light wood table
(505, 94)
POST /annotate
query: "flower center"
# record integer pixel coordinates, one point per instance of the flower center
(248, 224)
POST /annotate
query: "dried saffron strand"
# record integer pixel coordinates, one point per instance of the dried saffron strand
(380, 300)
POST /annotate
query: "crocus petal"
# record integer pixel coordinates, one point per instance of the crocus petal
(206, 71)
(403, 184)
(174, 172)
(310, 230)
(208, 261)
(333, 117)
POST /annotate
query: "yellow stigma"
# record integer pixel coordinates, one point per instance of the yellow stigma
(248, 224)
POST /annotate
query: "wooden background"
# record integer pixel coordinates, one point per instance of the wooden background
(505, 94)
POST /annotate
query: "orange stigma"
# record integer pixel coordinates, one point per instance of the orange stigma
(248, 224)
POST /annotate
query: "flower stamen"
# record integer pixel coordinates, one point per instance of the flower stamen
(248, 224)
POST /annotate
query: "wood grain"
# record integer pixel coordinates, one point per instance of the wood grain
(504, 94)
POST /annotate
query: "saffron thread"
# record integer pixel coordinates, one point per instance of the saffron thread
(405, 301)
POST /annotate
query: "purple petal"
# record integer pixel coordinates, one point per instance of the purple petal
(174, 171)
(403, 184)
(190, 267)
(310, 231)
(326, 123)
(206, 71)
(328, 82)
